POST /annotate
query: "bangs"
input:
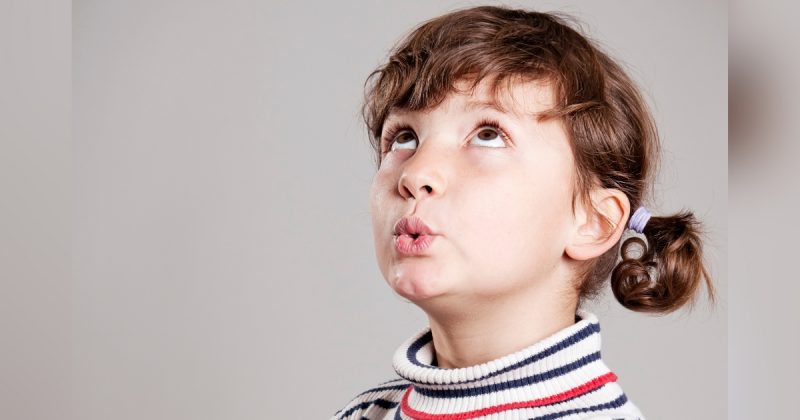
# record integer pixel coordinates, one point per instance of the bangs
(399, 88)
(499, 45)
(498, 97)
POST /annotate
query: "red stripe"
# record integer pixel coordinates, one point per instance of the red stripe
(578, 390)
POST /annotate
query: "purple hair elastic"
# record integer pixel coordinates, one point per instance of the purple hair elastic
(639, 219)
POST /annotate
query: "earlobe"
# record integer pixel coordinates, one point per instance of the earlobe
(594, 234)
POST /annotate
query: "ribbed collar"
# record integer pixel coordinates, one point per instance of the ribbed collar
(561, 367)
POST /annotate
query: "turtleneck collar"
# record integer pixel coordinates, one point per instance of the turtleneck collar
(556, 369)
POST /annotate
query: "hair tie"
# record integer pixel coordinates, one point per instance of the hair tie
(639, 219)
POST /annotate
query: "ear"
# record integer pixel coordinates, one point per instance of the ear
(592, 235)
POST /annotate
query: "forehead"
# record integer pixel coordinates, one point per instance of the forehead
(523, 99)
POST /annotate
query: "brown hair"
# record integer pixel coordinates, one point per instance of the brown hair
(613, 136)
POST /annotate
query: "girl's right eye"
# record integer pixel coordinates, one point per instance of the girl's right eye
(401, 140)
(402, 133)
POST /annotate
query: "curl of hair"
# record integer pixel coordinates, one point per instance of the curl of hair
(668, 272)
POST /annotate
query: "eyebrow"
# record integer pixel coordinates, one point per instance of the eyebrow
(470, 106)
(483, 105)
(493, 105)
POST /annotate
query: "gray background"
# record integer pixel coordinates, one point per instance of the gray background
(201, 248)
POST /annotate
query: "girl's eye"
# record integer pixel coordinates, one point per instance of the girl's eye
(401, 140)
(490, 134)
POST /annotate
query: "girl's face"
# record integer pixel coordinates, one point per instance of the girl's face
(497, 198)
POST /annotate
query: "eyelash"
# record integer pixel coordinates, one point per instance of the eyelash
(396, 129)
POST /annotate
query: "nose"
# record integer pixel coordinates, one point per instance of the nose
(423, 174)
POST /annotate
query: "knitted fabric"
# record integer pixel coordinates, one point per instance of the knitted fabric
(560, 377)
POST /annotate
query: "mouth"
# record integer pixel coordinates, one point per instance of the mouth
(412, 226)
(410, 235)
(412, 244)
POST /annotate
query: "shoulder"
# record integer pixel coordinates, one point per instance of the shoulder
(374, 402)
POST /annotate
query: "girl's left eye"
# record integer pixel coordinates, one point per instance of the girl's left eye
(491, 135)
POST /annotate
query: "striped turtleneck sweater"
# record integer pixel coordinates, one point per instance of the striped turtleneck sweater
(559, 377)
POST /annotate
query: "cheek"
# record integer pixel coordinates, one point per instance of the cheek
(514, 228)
(380, 214)
(380, 196)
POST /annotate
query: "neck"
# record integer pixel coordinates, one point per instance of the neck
(480, 333)
(559, 375)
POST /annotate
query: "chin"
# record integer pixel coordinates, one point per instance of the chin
(417, 287)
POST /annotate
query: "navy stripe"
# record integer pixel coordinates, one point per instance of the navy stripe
(383, 388)
(621, 400)
(411, 353)
(567, 342)
(390, 381)
(380, 402)
(593, 328)
(516, 383)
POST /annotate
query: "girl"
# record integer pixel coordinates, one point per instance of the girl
(512, 155)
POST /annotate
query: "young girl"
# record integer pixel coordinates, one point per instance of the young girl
(512, 156)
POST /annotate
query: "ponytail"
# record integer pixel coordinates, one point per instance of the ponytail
(668, 272)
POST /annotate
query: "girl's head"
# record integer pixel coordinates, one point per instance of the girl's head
(525, 149)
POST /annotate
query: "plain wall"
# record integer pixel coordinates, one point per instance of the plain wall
(35, 209)
(214, 250)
